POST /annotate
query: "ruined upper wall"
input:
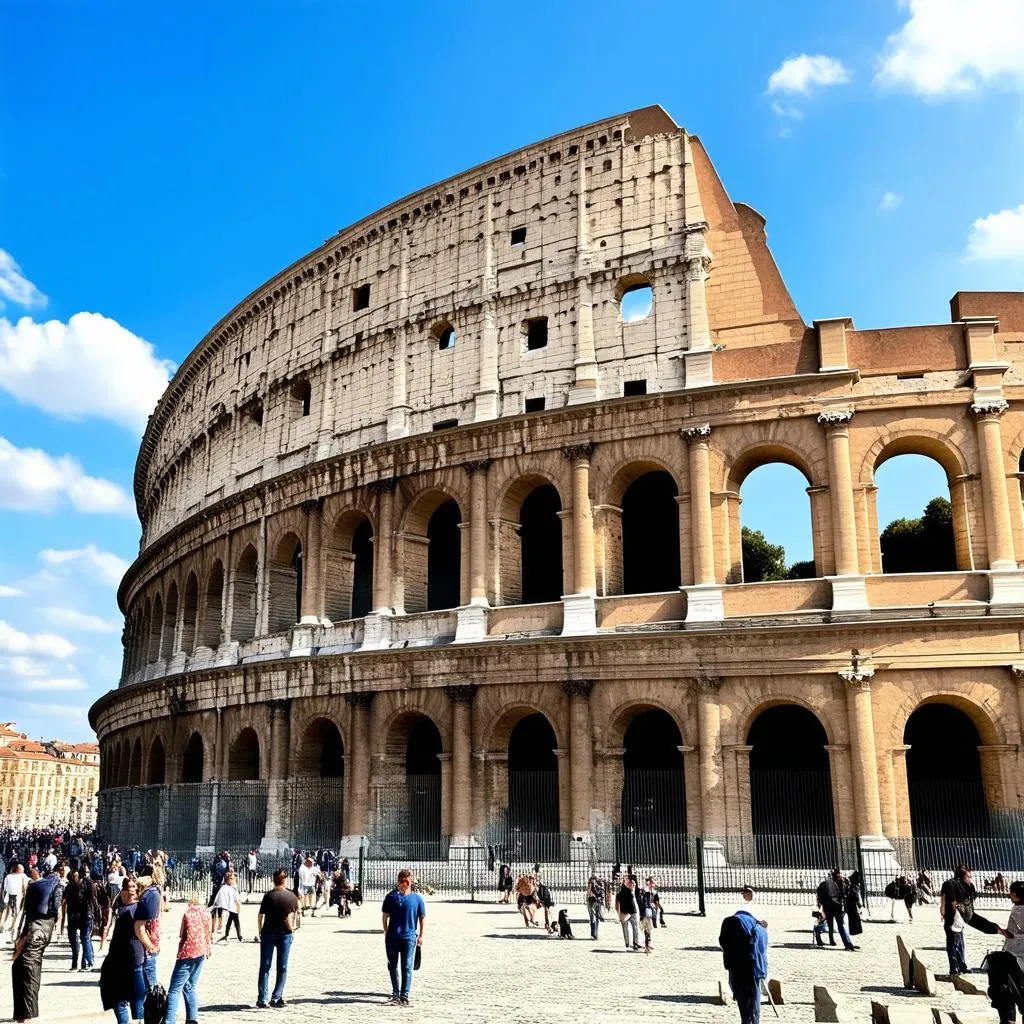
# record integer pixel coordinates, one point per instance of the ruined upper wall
(310, 365)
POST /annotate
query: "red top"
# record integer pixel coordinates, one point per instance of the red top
(196, 929)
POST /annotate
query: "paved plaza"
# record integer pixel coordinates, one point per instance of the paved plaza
(481, 964)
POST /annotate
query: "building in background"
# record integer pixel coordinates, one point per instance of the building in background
(46, 783)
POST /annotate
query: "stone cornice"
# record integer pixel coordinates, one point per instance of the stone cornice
(835, 417)
(701, 432)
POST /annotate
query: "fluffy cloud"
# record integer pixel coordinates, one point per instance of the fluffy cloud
(89, 366)
(950, 47)
(23, 666)
(48, 645)
(33, 481)
(17, 288)
(107, 567)
(54, 684)
(801, 74)
(999, 236)
(6, 591)
(72, 619)
(890, 201)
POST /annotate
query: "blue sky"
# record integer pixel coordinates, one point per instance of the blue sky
(157, 164)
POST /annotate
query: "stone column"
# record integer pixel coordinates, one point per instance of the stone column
(998, 762)
(564, 790)
(472, 618)
(901, 790)
(580, 611)
(275, 835)
(359, 786)
(376, 627)
(709, 727)
(581, 754)
(461, 698)
(848, 593)
(862, 744)
(312, 590)
(704, 599)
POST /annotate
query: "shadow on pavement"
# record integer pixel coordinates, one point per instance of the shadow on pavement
(684, 997)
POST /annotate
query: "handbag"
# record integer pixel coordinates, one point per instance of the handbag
(957, 924)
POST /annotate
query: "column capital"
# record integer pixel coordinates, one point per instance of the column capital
(700, 432)
(835, 417)
(704, 683)
(477, 466)
(997, 748)
(279, 707)
(577, 687)
(985, 407)
(460, 694)
(386, 484)
(611, 753)
(312, 506)
(360, 698)
(857, 675)
(1017, 671)
(577, 452)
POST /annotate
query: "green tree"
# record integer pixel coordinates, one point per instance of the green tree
(801, 571)
(921, 545)
(761, 561)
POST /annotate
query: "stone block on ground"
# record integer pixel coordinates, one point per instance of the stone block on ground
(826, 1009)
(724, 995)
(904, 954)
(924, 980)
(965, 985)
(972, 1016)
(882, 1013)
(775, 991)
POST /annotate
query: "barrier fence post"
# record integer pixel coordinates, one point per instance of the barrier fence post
(701, 909)
(863, 876)
(362, 857)
(469, 869)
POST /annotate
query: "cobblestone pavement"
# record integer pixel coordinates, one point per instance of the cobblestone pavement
(480, 964)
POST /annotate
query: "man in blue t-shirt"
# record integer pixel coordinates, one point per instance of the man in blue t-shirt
(403, 915)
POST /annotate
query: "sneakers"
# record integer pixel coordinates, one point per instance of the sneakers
(277, 1004)
(404, 1001)
(260, 1004)
(394, 998)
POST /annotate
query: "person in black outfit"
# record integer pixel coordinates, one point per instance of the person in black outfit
(831, 896)
(956, 907)
(41, 909)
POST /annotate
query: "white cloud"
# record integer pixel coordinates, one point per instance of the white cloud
(6, 591)
(890, 201)
(48, 645)
(23, 666)
(107, 566)
(999, 236)
(33, 481)
(54, 684)
(950, 47)
(17, 288)
(781, 110)
(90, 366)
(800, 74)
(73, 619)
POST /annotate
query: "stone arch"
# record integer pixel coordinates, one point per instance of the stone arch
(244, 762)
(135, 765)
(533, 798)
(156, 768)
(190, 613)
(168, 634)
(243, 612)
(193, 761)
(123, 767)
(212, 619)
(284, 583)
(321, 749)
(348, 566)
(497, 731)
(155, 630)
(432, 552)
(530, 536)
(410, 780)
(626, 711)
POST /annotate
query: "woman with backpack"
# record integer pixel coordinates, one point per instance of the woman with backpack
(117, 975)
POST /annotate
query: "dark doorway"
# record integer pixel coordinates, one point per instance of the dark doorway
(444, 557)
(423, 781)
(244, 757)
(650, 535)
(540, 534)
(155, 775)
(317, 796)
(362, 569)
(533, 817)
(192, 765)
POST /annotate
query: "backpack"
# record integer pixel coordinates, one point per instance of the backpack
(737, 944)
(154, 1008)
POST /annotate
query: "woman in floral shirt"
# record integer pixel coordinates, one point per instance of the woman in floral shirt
(193, 949)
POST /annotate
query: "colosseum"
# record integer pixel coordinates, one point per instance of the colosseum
(441, 546)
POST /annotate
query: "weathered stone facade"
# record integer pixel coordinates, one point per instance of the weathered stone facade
(335, 495)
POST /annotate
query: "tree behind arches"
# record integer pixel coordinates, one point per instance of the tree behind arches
(921, 545)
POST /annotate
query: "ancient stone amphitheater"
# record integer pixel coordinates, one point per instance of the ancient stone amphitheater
(442, 536)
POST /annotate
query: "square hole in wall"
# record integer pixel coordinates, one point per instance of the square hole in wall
(537, 333)
(360, 298)
(445, 424)
(634, 387)
(518, 236)
(534, 405)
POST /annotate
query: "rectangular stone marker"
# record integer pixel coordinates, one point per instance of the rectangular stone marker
(881, 1013)
(924, 980)
(826, 1009)
(775, 991)
(908, 975)
(965, 985)
(724, 996)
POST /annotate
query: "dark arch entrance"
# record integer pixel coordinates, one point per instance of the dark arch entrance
(791, 788)
(444, 557)
(533, 813)
(650, 534)
(244, 757)
(540, 538)
(155, 775)
(192, 763)
(362, 569)
(653, 808)
(318, 792)
(423, 781)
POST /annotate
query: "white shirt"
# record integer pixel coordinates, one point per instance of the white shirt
(307, 876)
(51, 861)
(15, 884)
(226, 898)
(252, 861)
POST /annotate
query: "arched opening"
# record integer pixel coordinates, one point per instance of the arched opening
(155, 630)
(323, 754)
(244, 757)
(349, 568)
(243, 610)
(318, 795)
(776, 538)
(653, 806)
(301, 398)
(650, 534)
(916, 512)
(636, 298)
(189, 614)
(213, 613)
(540, 537)
(167, 644)
(944, 778)
(409, 793)
(285, 584)
(123, 767)
(533, 809)
(444, 334)
(192, 762)
(791, 787)
(155, 773)
(444, 557)
(135, 766)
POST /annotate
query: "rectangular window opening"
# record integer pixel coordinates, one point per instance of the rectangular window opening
(445, 424)
(631, 388)
(518, 236)
(534, 405)
(360, 298)
(536, 333)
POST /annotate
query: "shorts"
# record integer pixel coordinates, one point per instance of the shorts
(645, 925)
(524, 901)
(306, 890)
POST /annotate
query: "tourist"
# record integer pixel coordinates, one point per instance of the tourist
(546, 901)
(227, 902)
(147, 929)
(744, 942)
(118, 989)
(852, 905)
(193, 949)
(505, 883)
(115, 879)
(252, 862)
(221, 864)
(403, 916)
(659, 910)
(40, 909)
(626, 908)
(308, 872)
(645, 914)
(595, 903)
(831, 896)
(83, 913)
(526, 899)
(747, 904)
(15, 886)
(956, 909)
(275, 922)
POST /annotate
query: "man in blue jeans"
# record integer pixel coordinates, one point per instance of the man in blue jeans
(275, 923)
(403, 916)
